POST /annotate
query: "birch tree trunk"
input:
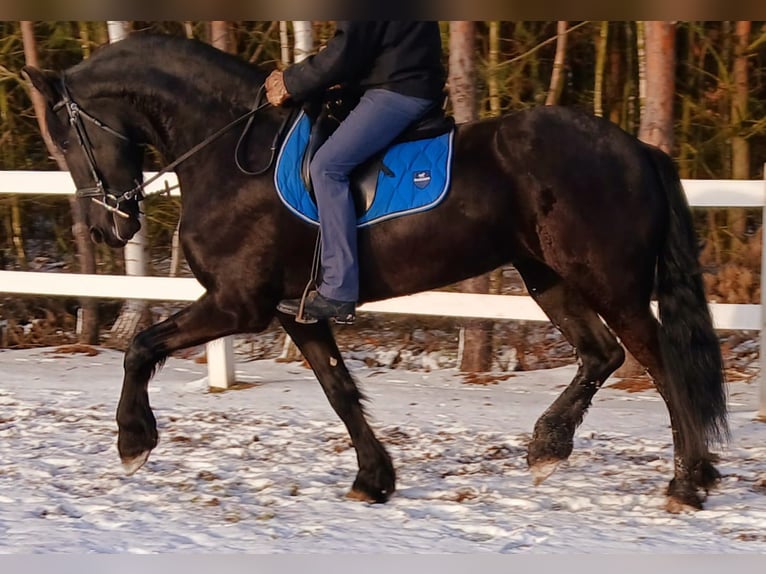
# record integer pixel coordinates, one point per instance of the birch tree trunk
(304, 39)
(89, 331)
(284, 43)
(135, 312)
(476, 336)
(557, 75)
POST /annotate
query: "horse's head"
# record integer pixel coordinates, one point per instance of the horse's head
(103, 160)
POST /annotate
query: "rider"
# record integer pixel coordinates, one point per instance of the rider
(398, 68)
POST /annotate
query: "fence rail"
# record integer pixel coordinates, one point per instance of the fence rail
(700, 193)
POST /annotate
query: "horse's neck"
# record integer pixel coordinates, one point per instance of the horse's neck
(174, 124)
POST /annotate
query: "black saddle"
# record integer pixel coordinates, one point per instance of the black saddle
(327, 114)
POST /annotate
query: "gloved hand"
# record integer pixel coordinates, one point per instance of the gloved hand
(276, 92)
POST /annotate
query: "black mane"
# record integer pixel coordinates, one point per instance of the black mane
(153, 65)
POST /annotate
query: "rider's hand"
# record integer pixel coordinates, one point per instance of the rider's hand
(276, 92)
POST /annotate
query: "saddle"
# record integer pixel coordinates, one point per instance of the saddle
(409, 176)
(326, 115)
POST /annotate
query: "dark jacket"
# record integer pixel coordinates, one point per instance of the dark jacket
(403, 57)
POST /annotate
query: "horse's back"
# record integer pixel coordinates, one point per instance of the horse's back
(561, 159)
(578, 193)
(568, 139)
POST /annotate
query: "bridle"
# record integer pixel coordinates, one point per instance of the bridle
(100, 194)
(112, 200)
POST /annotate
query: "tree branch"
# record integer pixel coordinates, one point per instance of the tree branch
(542, 44)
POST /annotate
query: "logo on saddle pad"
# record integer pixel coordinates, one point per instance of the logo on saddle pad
(421, 179)
(407, 178)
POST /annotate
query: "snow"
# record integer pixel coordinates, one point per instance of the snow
(265, 468)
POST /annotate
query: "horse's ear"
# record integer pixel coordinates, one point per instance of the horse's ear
(45, 82)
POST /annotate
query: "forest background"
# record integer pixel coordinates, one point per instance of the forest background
(696, 89)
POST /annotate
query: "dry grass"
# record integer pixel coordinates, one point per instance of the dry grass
(75, 349)
(485, 378)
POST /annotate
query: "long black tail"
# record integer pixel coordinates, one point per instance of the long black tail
(691, 351)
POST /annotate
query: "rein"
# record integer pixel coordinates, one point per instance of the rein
(110, 201)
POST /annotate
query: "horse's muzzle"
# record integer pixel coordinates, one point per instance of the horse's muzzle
(98, 236)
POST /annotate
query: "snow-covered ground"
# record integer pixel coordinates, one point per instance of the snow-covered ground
(266, 468)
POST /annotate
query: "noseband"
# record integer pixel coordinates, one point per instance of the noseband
(100, 193)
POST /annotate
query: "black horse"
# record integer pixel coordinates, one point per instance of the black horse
(594, 220)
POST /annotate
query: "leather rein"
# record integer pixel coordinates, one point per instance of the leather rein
(112, 200)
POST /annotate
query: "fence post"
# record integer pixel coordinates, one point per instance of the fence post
(220, 363)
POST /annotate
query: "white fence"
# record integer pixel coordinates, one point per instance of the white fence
(700, 193)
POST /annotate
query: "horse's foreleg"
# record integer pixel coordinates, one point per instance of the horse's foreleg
(599, 355)
(200, 322)
(376, 479)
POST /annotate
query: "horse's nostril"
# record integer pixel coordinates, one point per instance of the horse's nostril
(96, 236)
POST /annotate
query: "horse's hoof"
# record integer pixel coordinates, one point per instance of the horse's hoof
(543, 469)
(678, 506)
(683, 497)
(355, 494)
(131, 465)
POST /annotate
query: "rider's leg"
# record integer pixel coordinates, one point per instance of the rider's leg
(379, 118)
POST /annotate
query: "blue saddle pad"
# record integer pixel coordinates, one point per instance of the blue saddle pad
(420, 180)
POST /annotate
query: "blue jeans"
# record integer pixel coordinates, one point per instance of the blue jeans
(375, 122)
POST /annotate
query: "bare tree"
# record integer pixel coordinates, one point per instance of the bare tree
(657, 59)
(740, 148)
(660, 54)
(89, 331)
(220, 35)
(740, 168)
(493, 63)
(477, 334)
(598, 88)
(462, 70)
(557, 75)
(641, 67)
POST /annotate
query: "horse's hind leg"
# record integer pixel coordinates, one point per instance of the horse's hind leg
(376, 478)
(638, 330)
(599, 355)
